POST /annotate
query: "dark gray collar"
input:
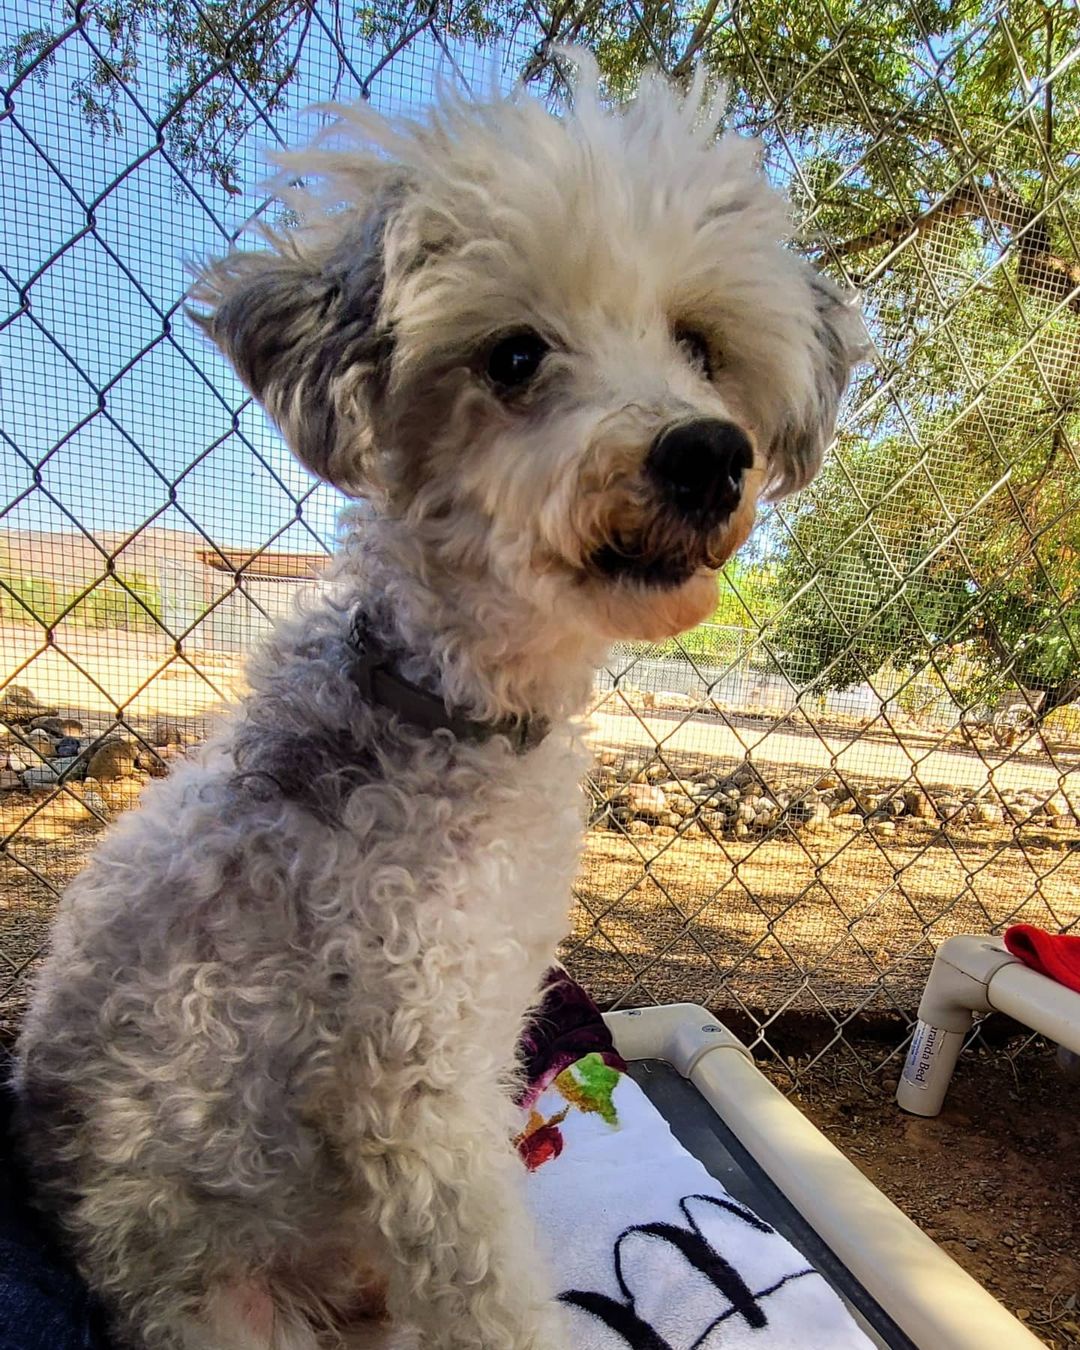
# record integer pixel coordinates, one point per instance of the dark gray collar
(378, 683)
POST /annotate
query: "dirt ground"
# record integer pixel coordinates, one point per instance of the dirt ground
(995, 1179)
(836, 925)
(809, 943)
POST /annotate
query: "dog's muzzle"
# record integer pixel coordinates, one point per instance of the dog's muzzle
(698, 468)
(694, 475)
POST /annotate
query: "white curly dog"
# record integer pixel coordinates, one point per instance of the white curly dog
(264, 1081)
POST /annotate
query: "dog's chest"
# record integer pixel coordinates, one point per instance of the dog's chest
(525, 849)
(470, 859)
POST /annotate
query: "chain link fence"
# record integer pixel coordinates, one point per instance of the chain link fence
(874, 744)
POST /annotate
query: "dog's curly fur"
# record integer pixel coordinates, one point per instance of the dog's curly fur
(267, 1059)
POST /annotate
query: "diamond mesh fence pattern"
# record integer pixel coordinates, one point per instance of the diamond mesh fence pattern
(874, 743)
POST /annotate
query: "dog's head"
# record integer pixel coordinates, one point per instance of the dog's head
(570, 350)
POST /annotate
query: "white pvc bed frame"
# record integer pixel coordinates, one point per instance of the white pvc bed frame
(929, 1297)
(977, 975)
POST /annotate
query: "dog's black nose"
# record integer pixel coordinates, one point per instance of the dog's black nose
(699, 467)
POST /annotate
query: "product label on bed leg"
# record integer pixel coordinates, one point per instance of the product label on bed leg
(925, 1044)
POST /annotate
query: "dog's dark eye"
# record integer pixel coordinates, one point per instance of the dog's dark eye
(515, 359)
(695, 347)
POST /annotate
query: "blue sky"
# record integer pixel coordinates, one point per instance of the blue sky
(114, 411)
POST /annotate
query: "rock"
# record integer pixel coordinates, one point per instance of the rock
(671, 819)
(682, 806)
(715, 821)
(987, 813)
(647, 800)
(50, 773)
(819, 821)
(111, 759)
(895, 806)
(51, 726)
(17, 763)
(94, 801)
(121, 794)
(763, 820)
(692, 830)
(843, 806)
(608, 758)
(1054, 806)
(657, 773)
(67, 746)
(66, 811)
(42, 743)
(746, 813)
(638, 827)
(800, 809)
(19, 706)
(827, 781)
(10, 781)
(846, 822)
(742, 830)
(156, 762)
(918, 804)
(671, 701)
(665, 831)
(884, 827)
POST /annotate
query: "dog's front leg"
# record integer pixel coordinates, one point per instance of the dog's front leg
(464, 1264)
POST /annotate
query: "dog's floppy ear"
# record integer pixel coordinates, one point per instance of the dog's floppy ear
(838, 342)
(300, 322)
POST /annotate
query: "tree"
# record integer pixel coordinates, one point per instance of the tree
(135, 604)
(945, 527)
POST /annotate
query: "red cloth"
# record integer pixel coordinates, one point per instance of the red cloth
(1055, 955)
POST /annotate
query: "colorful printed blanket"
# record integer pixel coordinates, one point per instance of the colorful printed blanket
(649, 1251)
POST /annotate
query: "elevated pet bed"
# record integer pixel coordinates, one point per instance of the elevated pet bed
(740, 1227)
(980, 975)
(759, 1154)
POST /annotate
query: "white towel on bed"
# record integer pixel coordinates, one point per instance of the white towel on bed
(649, 1252)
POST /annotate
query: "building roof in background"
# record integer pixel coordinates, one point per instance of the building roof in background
(265, 564)
(72, 559)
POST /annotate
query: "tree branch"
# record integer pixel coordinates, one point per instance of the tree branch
(1045, 274)
(683, 65)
